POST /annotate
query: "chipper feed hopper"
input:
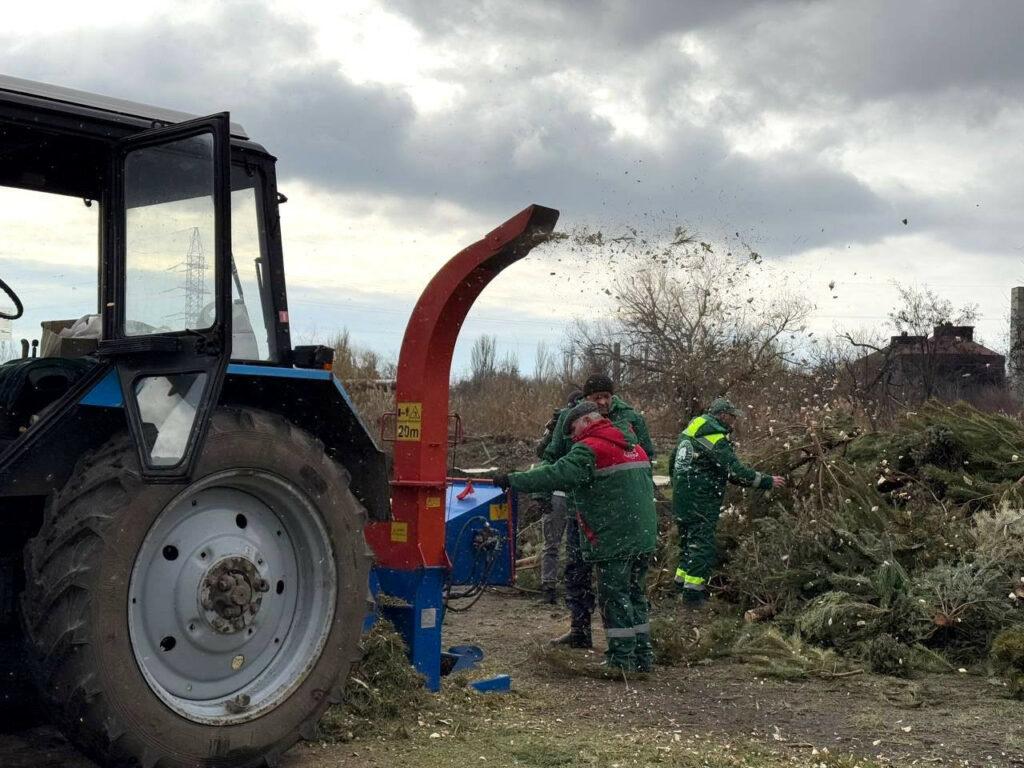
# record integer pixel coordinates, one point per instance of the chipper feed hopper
(186, 498)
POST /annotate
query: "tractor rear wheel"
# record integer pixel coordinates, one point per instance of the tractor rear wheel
(209, 624)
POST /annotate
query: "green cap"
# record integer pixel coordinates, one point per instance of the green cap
(582, 408)
(722, 405)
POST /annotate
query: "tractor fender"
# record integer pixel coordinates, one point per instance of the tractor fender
(314, 400)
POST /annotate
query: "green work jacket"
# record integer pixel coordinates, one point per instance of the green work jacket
(702, 463)
(621, 414)
(610, 476)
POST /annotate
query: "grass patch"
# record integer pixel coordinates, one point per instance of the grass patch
(519, 742)
(382, 687)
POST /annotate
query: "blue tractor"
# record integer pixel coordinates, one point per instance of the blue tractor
(183, 492)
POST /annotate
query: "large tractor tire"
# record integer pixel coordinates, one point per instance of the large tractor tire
(209, 624)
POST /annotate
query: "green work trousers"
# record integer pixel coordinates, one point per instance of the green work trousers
(696, 524)
(622, 596)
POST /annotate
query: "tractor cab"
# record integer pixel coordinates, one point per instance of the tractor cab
(183, 569)
(184, 274)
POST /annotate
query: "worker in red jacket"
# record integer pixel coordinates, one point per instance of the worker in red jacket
(610, 476)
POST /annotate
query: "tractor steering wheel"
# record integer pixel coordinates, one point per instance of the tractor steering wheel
(19, 310)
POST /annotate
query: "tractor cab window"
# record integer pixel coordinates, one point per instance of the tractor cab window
(48, 258)
(168, 405)
(251, 304)
(170, 272)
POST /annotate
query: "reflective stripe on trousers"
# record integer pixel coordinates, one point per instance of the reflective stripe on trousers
(639, 629)
(620, 632)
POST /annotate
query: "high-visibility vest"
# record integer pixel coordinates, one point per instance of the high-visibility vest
(681, 460)
(694, 426)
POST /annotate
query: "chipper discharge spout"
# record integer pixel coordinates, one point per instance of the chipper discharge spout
(411, 560)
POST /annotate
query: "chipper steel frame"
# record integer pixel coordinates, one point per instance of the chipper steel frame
(184, 495)
(410, 548)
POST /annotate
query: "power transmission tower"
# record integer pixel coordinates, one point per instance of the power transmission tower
(195, 280)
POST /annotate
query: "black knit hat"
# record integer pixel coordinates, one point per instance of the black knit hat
(582, 408)
(598, 382)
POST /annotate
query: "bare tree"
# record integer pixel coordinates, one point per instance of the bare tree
(914, 365)
(572, 367)
(509, 365)
(544, 367)
(919, 310)
(834, 361)
(697, 326)
(483, 357)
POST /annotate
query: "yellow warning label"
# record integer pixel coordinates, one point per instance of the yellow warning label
(410, 420)
(433, 502)
(400, 532)
(499, 511)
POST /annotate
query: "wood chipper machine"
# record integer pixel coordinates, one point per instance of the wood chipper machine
(186, 498)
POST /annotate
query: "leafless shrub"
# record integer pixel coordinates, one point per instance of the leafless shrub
(695, 325)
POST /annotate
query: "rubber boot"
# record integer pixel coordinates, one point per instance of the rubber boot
(549, 595)
(694, 599)
(575, 638)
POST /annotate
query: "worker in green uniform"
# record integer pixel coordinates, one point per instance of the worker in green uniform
(702, 464)
(600, 390)
(553, 508)
(578, 577)
(610, 477)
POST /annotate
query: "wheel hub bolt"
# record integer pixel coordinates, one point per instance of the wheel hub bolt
(232, 591)
(240, 703)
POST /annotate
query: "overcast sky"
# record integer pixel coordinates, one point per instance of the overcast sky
(407, 129)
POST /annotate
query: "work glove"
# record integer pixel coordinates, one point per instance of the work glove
(501, 480)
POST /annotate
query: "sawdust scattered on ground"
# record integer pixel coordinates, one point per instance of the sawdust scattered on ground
(719, 714)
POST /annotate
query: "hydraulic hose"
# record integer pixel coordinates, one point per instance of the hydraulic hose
(475, 589)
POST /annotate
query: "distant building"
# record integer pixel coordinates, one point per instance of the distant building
(949, 364)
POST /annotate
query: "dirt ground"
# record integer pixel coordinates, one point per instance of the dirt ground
(718, 715)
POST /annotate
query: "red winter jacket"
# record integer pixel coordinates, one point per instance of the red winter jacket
(610, 476)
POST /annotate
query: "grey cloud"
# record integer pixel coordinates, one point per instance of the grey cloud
(624, 24)
(527, 131)
(250, 61)
(925, 63)
(836, 54)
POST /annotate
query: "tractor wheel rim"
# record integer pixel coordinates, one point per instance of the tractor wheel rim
(232, 596)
